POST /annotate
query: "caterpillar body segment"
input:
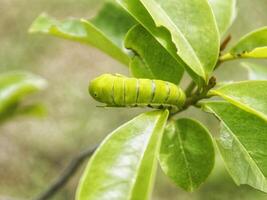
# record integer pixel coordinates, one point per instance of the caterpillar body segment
(120, 91)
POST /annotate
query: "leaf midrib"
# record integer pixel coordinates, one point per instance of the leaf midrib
(247, 155)
(240, 104)
(185, 159)
(249, 159)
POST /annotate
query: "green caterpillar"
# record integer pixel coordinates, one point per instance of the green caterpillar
(120, 91)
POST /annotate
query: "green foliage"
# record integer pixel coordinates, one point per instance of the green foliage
(242, 144)
(225, 13)
(199, 56)
(164, 38)
(187, 153)
(253, 45)
(198, 45)
(248, 95)
(105, 31)
(139, 12)
(14, 87)
(150, 56)
(124, 165)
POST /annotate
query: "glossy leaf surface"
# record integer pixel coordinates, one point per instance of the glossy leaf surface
(242, 144)
(198, 46)
(151, 60)
(253, 45)
(248, 95)
(124, 165)
(187, 153)
(225, 13)
(106, 31)
(139, 12)
(14, 87)
(161, 34)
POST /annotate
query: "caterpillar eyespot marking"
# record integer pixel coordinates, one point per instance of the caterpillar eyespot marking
(121, 91)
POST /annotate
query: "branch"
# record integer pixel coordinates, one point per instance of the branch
(225, 43)
(197, 96)
(223, 46)
(66, 174)
(190, 88)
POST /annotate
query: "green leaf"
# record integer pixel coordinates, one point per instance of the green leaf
(253, 45)
(242, 144)
(35, 110)
(255, 71)
(151, 60)
(160, 33)
(225, 13)
(187, 153)
(14, 87)
(124, 165)
(106, 31)
(248, 95)
(198, 45)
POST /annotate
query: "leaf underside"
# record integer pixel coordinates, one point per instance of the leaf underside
(242, 144)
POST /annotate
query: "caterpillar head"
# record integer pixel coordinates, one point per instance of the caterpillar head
(100, 86)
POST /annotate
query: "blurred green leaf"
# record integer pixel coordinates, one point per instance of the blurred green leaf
(187, 153)
(151, 60)
(35, 110)
(225, 13)
(14, 87)
(106, 31)
(252, 45)
(248, 95)
(242, 144)
(124, 165)
(255, 71)
(114, 21)
(198, 45)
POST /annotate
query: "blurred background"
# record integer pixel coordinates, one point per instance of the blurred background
(34, 151)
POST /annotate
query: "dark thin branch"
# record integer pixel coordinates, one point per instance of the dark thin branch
(225, 43)
(63, 178)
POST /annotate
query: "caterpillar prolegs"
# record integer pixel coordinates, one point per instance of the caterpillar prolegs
(121, 91)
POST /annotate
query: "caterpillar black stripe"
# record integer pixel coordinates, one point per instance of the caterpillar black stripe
(121, 91)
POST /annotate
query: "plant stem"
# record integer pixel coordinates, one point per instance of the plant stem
(192, 85)
(190, 88)
(66, 174)
(226, 57)
(225, 43)
(197, 96)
